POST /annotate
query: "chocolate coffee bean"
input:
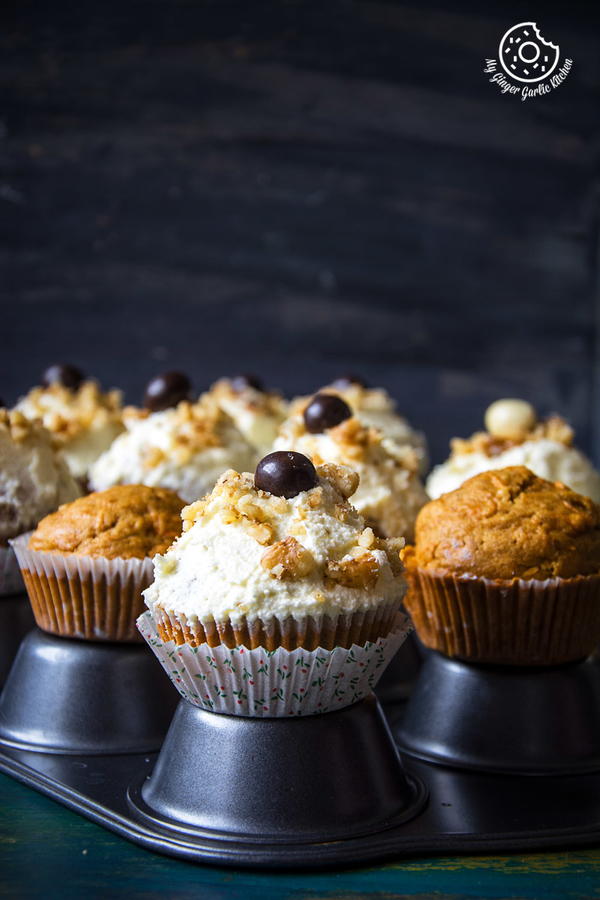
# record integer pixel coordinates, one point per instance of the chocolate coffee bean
(285, 473)
(167, 390)
(325, 411)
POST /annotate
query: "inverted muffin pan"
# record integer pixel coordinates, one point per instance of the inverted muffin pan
(16, 619)
(304, 792)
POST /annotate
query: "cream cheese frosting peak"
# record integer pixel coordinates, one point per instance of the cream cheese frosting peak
(544, 447)
(83, 421)
(246, 554)
(256, 413)
(390, 492)
(34, 479)
(185, 448)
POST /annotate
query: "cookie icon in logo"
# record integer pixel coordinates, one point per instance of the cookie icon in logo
(525, 55)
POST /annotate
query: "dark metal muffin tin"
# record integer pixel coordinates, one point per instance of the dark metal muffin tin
(312, 791)
(16, 619)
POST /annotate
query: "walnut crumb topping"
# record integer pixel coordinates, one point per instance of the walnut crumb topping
(20, 428)
(554, 428)
(67, 413)
(287, 560)
(344, 479)
(360, 571)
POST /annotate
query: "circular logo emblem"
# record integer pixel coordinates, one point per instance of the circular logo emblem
(525, 55)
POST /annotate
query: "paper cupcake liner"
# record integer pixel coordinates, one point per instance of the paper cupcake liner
(273, 683)
(514, 622)
(11, 580)
(86, 597)
(309, 633)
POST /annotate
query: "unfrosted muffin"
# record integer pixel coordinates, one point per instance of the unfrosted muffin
(375, 409)
(83, 420)
(516, 437)
(185, 448)
(506, 569)
(256, 412)
(279, 559)
(85, 565)
(124, 521)
(390, 493)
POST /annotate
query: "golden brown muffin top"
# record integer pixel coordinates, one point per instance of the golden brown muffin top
(130, 520)
(508, 523)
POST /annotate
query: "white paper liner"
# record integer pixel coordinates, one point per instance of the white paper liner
(11, 580)
(278, 683)
(99, 599)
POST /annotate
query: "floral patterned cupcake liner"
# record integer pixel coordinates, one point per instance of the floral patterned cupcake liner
(11, 580)
(273, 683)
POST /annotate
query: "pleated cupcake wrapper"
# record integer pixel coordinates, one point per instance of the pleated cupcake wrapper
(309, 632)
(86, 597)
(515, 622)
(11, 580)
(274, 683)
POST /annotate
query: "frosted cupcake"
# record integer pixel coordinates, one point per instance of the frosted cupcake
(256, 412)
(515, 437)
(374, 408)
(277, 599)
(34, 480)
(278, 559)
(390, 493)
(85, 565)
(185, 448)
(82, 419)
(506, 569)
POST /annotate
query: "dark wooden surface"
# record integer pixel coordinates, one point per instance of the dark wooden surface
(301, 189)
(47, 851)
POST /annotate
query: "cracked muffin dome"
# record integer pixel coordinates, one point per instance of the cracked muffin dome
(295, 550)
(506, 524)
(390, 492)
(515, 437)
(185, 448)
(83, 420)
(34, 479)
(125, 521)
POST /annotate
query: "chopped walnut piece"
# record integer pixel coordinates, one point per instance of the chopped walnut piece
(287, 560)
(260, 531)
(354, 572)
(393, 548)
(344, 479)
(315, 498)
(367, 538)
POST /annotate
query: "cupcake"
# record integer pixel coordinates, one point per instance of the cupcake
(375, 409)
(515, 437)
(34, 480)
(82, 419)
(185, 448)
(506, 569)
(390, 493)
(276, 585)
(86, 564)
(256, 412)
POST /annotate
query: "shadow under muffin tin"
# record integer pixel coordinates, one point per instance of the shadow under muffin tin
(483, 759)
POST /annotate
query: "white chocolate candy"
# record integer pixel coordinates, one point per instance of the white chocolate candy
(511, 419)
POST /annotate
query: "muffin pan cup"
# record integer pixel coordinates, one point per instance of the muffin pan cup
(399, 677)
(526, 720)
(70, 697)
(16, 619)
(325, 777)
(305, 793)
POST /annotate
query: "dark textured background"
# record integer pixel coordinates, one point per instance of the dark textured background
(301, 189)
